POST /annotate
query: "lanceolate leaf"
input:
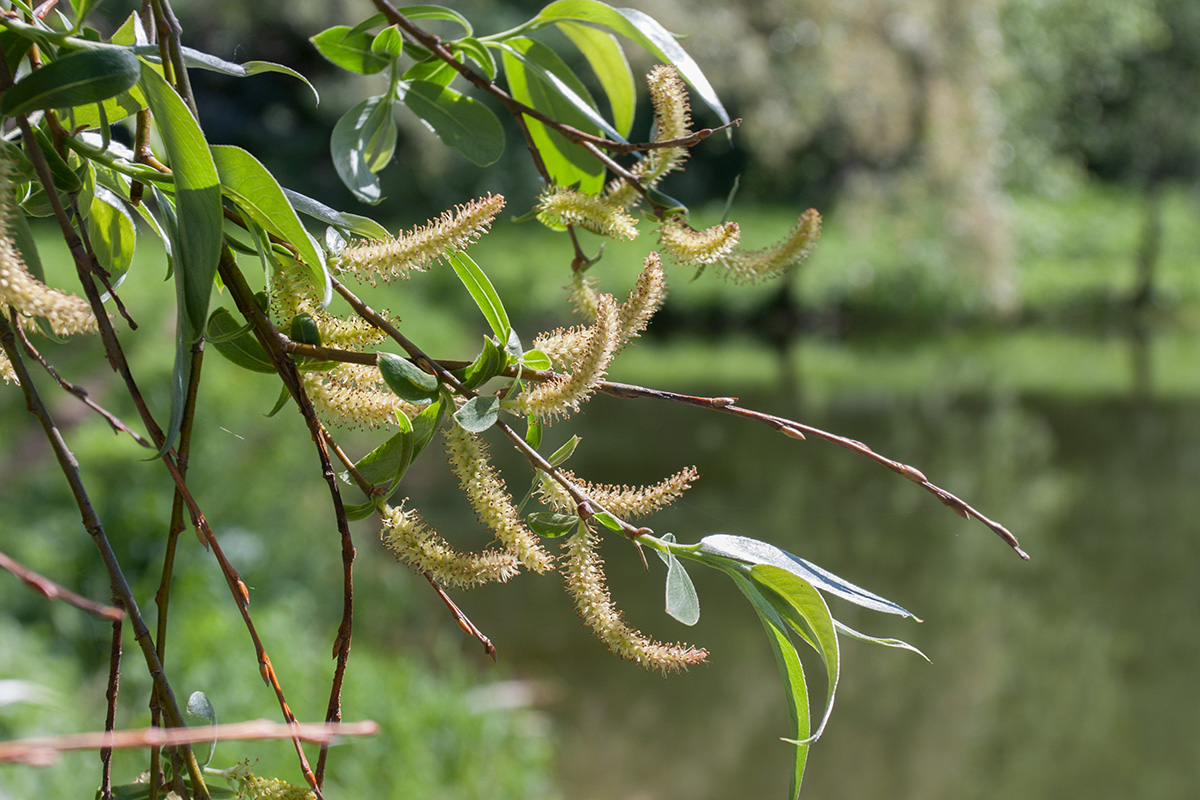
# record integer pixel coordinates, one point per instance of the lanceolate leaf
(608, 61)
(853, 634)
(528, 82)
(112, 233)
(752, 551)
(386, 464)
(483, 293)
(236, 343)
(362, 143)
(197, 201)
(207, 61)
(804, 610)
(644, 30)
(468, 126)
(351, 223)
(438, 12)
(682, 602)
(257, 192)
(790, 669)
(479, 413)
(85, 76)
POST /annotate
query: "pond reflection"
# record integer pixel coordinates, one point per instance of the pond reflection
(1070, 675)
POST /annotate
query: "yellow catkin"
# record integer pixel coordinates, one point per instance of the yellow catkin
(643, 301)
(66, 314)
(355, 395)
(413, 542)
(420, 247)
(252, 787)
(561, 396)
(627, 502)
(489, 497)
(292, 294)
(690, 247)
(584, 578)
(562, 206)
(672, 120)
(773, 261)
(6, 370)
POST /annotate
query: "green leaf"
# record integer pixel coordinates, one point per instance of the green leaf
(198, 705)
(65, 179)
(85, 76)
(350, 223)
(483, 293)
(790, 669)
(459, 121)
(846, 629)
(752, 551)
(432, 69)
(437, 12)
(425, 425)
(388, 43)
(304, 330)
(236, 343)
(112, 232)
(362, 143)
(559, 83)
(682, 602)
(349, 49)
(479, 413)
(386, 464)
(15, 47)
(536, 359)
(490, 363)
(803, 609)
(248, 183)
(646, 31)
(559, 456)
(533, 433)
(528, 81)
(608, 61)
(25, 242)
(477, 52)
(607, 520)
(209, 62)
(550, 524)
(197, 202)
(407, 380)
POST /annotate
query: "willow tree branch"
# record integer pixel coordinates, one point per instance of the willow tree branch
(56, 591)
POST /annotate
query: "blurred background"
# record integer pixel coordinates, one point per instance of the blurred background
(1005, 295)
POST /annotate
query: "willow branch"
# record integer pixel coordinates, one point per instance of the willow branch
(44, 751)
(56, 591)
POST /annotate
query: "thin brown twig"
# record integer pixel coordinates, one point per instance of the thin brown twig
(78, 391)
(463, 621)
(56, 591)
(110, 716)
(44, 750)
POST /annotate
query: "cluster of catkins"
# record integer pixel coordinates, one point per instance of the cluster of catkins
(580, 357)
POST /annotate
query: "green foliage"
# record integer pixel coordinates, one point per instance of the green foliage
(206, 198)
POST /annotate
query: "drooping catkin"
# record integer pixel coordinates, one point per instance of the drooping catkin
(585, 582)
(413, 542)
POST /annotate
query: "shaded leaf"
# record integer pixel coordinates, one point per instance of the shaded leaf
(479, 413)
(235, 342)
(459, 121)
(490, 363)
(407, 380)
(682, 602)
(85, 76)
(551, 524)
(111, 232)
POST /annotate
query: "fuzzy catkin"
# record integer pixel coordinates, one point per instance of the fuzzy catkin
(413, 542)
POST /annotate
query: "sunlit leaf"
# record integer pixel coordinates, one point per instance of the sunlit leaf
(477, 52)
(490, 363)
(560, 456)
(388, 43)
(111, 232)
(644, 30)
(608, 61)
(752, 551)
(460, 122)
(550, 524)
(351, 223)
(846, 629)
(420, 12)
(682, 602)
(803, 609)
(386, 464)
(85, 76)
(790, 669)
(349, 49)
(362, 143)
(483, 293)
(256, 191)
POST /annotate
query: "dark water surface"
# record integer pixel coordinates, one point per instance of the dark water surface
(1071, 675)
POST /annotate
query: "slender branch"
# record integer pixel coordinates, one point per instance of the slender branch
(44, 751)
(461, 618)
(92, 523)
(114, 422)
(110, 718)
(56, 591)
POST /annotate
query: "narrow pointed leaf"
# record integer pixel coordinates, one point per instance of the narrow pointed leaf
(608, 61)
(85, 76)
(790, 669)
(255, 190)
(237, 344)
(349, 49)
(682, 602)
(437, 12)
(112, 233)
(361, 139)
(483, 293)
(386, 464)
(846, 629)
(559, 456)
(752, 551)
(646, 31)
(351, 223)
(803, 609)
